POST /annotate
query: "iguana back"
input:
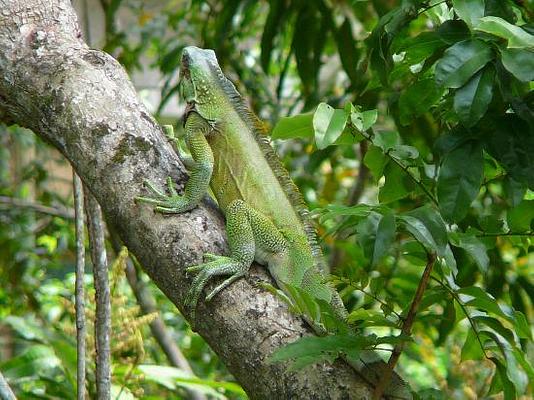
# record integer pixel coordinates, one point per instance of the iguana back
(246, 166)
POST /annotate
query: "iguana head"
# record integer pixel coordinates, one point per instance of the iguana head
(203, 85)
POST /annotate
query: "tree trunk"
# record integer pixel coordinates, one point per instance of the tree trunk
(82, 102)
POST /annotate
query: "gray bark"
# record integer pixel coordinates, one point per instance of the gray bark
(77, 190)
(97, 245)
(82, 102)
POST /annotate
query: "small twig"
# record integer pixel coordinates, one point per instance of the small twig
(377, 299)
(404, 168)
(79, 286)
(5, 391)
(497, 234)
(406, 328)
(37, 207)
(428, 7)
(102, 297)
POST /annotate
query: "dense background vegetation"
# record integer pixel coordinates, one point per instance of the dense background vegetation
(412, 138)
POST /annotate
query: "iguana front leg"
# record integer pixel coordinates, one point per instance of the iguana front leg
(249, 233)
(196, 129)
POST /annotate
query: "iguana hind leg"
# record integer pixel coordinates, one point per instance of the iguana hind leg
(248, 232)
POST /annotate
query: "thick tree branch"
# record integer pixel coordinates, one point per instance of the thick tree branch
(82, 102)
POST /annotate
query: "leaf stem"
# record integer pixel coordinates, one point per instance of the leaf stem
(383, 303)
(403, 167)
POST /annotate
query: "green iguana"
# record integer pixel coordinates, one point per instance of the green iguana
(266, 218)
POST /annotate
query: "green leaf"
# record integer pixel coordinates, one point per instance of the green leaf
(375, 160)
(521, 218)
(469, 10)
(348, 52)
(328, 124)
(420, 47)
(275, 22)
(386, 140)
(471, 101)
(418, 99)
(496, 326)
(404, 153)
(333, 211)
(476, 297)
(515, 374)
(388, 27)
(35, 360)
(370, 318)
(397, 186)
(311, 349)
(520, 62)
(521, 325)
(474, 247)
(171, 377)
(26, 328)
(363, 120)
(471, 349)
(385, 235)
(511, 142)
(297, 126)
(461, 61)
(453, 31)
(459, 180)
(505, 383)
(427, 227)
(366, 229)
(517, 38)
(514, 191)
(308, 40)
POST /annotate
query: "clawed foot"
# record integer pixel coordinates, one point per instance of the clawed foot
(172, 204)
(217, 265)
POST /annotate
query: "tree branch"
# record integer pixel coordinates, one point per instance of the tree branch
(102, 297)
(406, 327)
(82, 102)
(79, 286)
(37, 207)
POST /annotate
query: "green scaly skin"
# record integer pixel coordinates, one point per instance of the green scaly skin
(266, 218)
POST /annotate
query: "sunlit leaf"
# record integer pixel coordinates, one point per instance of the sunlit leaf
(517, 37)
(328, 124)
(298, 126)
